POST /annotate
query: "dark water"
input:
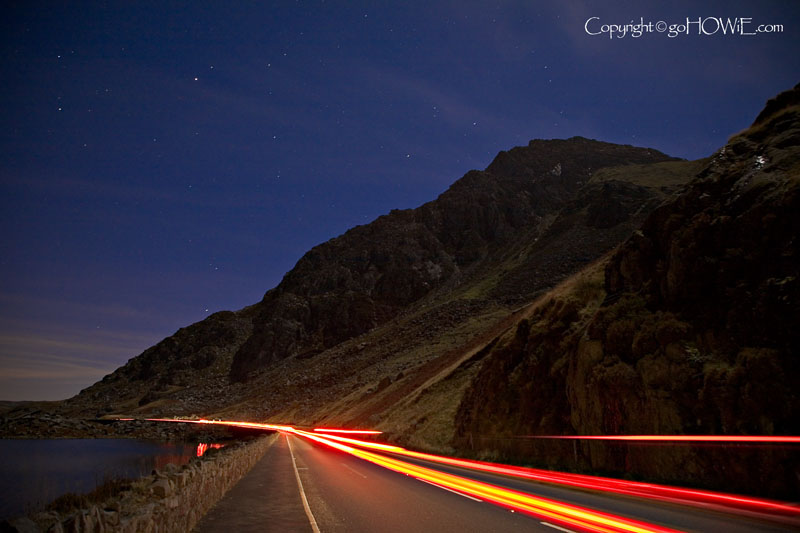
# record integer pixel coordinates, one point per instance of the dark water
(34, 472)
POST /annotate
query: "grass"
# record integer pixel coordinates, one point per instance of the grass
(654, 175)
(72, 501)
(758, 131)
(479, 290)
(426, 416)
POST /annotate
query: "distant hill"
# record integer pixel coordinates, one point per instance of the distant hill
(6, 405)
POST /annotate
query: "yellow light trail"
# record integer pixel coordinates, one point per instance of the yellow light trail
(646, 490)
(563, 513)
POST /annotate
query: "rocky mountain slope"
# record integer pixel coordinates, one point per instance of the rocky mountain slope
(490, 242)
(690, 327)
(351, 284)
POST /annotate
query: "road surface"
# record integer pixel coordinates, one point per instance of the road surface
(337, 492)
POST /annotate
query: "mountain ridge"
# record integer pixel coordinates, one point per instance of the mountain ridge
(409, 252)
(543, 295)
(353, 283)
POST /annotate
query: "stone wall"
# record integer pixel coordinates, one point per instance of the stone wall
(170, 500)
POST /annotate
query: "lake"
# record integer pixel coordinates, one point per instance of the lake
(34, 472)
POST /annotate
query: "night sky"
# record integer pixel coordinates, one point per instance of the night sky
(162, 161)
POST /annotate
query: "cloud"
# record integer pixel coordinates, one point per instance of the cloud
(75, 354)
(39, 388)
(81, 188)
(459, 111)
(15, 308)
(62, 370)
(49, 355)
(48, 348)
(35, 367)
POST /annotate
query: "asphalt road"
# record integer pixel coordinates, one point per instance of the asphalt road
(343, 493)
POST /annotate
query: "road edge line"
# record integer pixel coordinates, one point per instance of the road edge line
(307, 508)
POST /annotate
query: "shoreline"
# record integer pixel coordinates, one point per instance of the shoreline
(171, 499)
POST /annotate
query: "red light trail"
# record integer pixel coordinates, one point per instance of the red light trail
(349, 431)
(619, 486)
(507, 498)
(677, 438)
(203, 447)
(569, 515)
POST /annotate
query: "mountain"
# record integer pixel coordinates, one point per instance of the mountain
(572, 287)
(690, 327)
(358, 281)
(491, 241)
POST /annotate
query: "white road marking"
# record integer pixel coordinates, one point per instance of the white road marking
(548, 524)
(353, 470)
(451, 490)
(310, 515)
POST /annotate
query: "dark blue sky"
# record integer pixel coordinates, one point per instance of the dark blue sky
(162, 161)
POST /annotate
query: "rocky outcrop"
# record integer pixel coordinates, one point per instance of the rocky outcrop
(598, 217)
(690, 329)
(724, 261)
(185, 373)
